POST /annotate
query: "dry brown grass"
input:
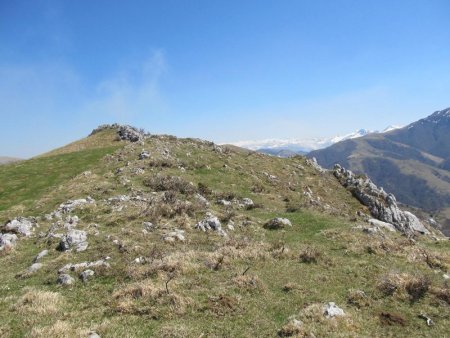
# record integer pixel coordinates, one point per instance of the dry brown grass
(310, 255)
(401, 284)
(249, 283)
(60, 329)
(36, 302)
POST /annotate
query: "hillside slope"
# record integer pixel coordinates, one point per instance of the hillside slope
(411, 162)
(177, 237)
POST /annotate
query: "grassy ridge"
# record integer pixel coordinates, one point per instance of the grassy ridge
(25, 182)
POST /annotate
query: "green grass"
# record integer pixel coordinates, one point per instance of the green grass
(344, 263)
(25, 182)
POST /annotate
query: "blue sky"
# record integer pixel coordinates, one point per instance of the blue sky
(219, 70)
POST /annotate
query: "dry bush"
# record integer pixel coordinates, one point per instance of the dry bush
(434, 261)
(358, 298)
(310, 255)
(169, 183)
(161, 163)
(38, 302)
(442, 294)
(223, 305)
(60, 329)
(387, 318)
(417, 287)
(203, 189)
(390, 283)
(292, 329)
(249, 283)
(290, 287)
(144, 298)
(279, 250)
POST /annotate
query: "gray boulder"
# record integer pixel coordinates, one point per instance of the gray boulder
(21, 226)
(40, 255)
(211, 222)
(34, 267)
(7, 241)
(76, 239)
(86, 275)
(144, 154)
(65, 279)
(331, 310)
(278, 223)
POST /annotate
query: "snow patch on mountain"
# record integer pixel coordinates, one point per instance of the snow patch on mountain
(305, 145)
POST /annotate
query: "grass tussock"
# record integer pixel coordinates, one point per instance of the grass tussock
(60, 329)
(37, 302)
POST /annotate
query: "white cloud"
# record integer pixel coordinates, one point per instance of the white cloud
(131, 92)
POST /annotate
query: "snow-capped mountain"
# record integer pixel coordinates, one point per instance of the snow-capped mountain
(273, 146)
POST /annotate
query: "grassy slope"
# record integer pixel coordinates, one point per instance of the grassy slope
(27, 181)
(129, 299)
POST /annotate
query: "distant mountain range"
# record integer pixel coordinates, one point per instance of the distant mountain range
(412, 162)
(291, 147)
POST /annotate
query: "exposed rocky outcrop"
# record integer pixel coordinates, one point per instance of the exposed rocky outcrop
(125, 132)
(382, 206)
(20, 226)
(74, 239)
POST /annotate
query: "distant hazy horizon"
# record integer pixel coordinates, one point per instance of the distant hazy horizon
(222, 71)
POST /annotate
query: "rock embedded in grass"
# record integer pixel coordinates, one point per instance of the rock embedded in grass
(331, 310)
(21, 226)
(278, 223)
(7, 241)
(86, 275)
(65, 279)
(211, 222)
(74, 239)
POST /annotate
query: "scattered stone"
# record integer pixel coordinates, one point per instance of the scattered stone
(278, 223)
(247, 203)
(86, 275)
(21, 226)
(74, 239)
(93, 335)
(224, 202)
(230, 225)
(381, 224)
(7, 241)
(84, 265)
(202, 199)
(173, 236)
(34, 267)
(144, 155)
(211, 222)
(129, 133)
(382, 206)
(118, 199)
(65, 279)
(331, 310)
(428, 319)
(313, 163)
(446, 277)
(40, 255)
(73, 204)
(148, 226)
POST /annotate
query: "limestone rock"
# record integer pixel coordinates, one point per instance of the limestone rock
(382, 206)
(21, 226)
(74, 239)
(86, 275)
(331, 310)
(7, 241)
(211, 222)
(40, 255)
(65, 279)
(278, 223)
